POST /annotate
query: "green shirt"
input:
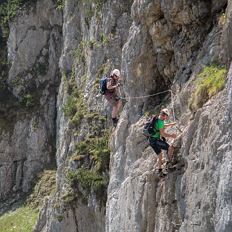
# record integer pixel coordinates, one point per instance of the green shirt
(158, 125)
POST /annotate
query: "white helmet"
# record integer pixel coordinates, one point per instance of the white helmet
(116, 72)
(165, 111)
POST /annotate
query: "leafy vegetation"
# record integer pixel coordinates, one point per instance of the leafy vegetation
(104, 39)
(222, 19)
(209, 82)
(79, 52)
(45, 186)
(60, 4)
(8, 10)
(96, 148)
(92, 153)
(27, 100)
(91, 176)
(89, 180)
(20, 220)
(74, 108)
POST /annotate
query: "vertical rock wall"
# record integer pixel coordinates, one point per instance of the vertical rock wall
(57, 55)
(185, 37)
(28, 105)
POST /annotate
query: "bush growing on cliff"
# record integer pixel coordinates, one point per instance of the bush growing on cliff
(74, 108)
(87, 179)
(97, 149)
(92, 156)
(45, 186)
(209, 82)
(9, 8)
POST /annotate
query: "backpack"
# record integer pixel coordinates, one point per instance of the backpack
(103, 83)
(148, 128)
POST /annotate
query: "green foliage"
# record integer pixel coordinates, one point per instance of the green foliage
(92, 153)
(45, 186)
(60, 4)
(70, 107)
(9, 9)
(222, 19)
(209, 82)
(96, 148)
(104, 39)
(89, 180)
(69, 196)
(27, 100)
(90, 176)
(20, 220)
(74, 108)
(79, 54)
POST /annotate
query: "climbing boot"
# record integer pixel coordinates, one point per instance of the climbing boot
(158, 171)
(165, 171)
(115, 121)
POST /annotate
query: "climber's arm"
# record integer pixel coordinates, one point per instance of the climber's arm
(169, 124)
(166, 135)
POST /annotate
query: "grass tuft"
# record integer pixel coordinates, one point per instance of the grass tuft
(209, 82)
(20, 220)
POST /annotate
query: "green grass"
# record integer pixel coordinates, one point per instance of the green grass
(24, 217)
(209, 82)
(20, 220)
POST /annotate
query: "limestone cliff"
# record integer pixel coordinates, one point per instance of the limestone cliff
(51, 110)
(28, 97)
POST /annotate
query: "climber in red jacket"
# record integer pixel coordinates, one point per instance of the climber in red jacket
(111, 94)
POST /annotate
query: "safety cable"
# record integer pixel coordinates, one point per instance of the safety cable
(155, 94)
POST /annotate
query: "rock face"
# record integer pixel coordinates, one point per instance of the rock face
(28, 105)
(192, 198)
(52, 106)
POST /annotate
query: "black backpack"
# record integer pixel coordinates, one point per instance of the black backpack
(102, 85)
(148, 128)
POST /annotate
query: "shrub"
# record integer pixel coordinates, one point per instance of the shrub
(45, 186)
(70, 107)
(93, 156)
(60, 4)
(27, 100)
(74, 108)
(89, 180)
(209, 82)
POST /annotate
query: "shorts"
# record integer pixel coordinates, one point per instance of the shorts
(158, 145)
(112, 98)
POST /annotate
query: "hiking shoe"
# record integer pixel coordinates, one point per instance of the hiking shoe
(115, 121)
(168, 165)
(165, 171)
(158, 171)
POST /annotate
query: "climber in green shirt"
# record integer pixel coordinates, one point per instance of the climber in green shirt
(157, 139)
